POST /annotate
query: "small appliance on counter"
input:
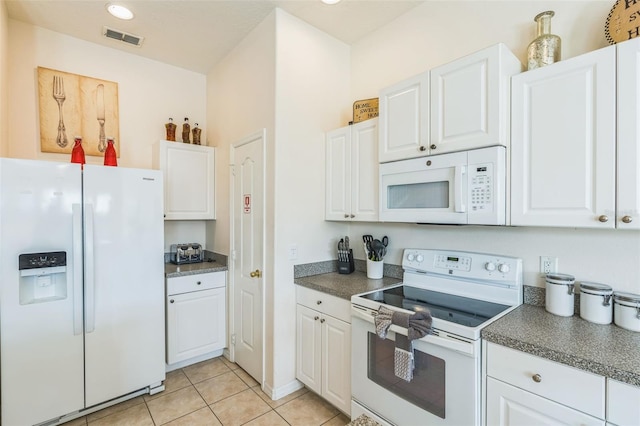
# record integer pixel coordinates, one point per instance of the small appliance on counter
(186, 253)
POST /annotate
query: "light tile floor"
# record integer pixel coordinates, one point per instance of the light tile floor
(217, 392)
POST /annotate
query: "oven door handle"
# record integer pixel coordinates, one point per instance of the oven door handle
(448, 342)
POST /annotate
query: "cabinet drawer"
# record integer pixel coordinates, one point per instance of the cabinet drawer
(623, 403)
(196, 282)
(567, 385)
(325, 303)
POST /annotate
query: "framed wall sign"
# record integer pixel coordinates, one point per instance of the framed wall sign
(623, 22)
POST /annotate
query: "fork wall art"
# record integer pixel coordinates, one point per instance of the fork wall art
(75, 105)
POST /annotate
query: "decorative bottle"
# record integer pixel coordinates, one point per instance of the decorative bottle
(545, 48)
(186, 130)
(171, 130)
(77, 153)
(110, 157)
(196, 134)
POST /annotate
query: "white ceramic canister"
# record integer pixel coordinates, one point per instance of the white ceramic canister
(595, 302)
(626, 310)
(559, 298)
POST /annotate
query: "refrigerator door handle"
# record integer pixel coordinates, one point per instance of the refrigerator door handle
(89, 277)
(76, 210)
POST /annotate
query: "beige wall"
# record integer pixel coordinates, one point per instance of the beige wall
(4, 76)
(439, 31)
(149, 92)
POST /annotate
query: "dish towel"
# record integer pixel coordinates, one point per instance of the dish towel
(417, 324)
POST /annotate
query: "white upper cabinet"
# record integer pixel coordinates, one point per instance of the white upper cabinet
(352, 172)
(563, 143)
(628, 206)
(404, 119)
(470, 99)
(189, 180)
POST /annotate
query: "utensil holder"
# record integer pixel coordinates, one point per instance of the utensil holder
(346, 266)
(374, 269)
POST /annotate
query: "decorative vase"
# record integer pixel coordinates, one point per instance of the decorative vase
(77, 153)
(110, 157)
(545, 48)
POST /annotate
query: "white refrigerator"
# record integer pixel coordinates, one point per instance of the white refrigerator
(81, 287)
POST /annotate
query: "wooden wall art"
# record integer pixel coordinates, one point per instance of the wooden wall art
(75, 105)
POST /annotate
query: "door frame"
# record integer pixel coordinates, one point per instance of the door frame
(262, 136)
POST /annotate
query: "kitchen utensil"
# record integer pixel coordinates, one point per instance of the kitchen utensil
(385, 240)
(59, 96)
(102, 144)
(366, 238)
(346, 243)
(377, 248)
(370, 253)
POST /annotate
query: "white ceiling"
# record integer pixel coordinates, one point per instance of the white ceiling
(196, 34)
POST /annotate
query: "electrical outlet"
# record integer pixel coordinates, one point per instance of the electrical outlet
(293, 251)
(548, 264)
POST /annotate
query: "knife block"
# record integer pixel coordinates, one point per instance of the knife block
(346, 267)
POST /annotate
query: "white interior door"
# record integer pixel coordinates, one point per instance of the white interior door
(247, 201)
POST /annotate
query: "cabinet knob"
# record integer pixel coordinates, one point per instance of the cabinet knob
(199, 282)
(433, 146)
(422, 148)
(346, 216)
(318, 302)
(352, 216)
(322, 320)
(537, 378)
(603, 218)
(627, 219)
(316, 318)
(255, 274)
(171, 301)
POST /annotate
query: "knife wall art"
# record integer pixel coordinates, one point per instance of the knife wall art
(75, 105)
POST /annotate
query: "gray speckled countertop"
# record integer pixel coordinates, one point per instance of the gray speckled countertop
(216, 262)
(607, 350)
(345, 285)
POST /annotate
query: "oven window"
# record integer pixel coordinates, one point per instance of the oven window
(426, 389)
(427, 195)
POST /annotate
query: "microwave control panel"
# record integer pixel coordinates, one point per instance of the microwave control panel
(481, 187)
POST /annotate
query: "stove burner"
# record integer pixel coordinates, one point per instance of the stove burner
(447, 307)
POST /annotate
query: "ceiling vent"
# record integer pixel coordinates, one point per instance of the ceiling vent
(123, 37)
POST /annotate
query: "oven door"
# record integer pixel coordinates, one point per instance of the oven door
(445, 389)
(425, 190)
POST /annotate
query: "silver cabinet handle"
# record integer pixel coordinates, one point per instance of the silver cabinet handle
(352, 216)
(433, 146)
(603, 218)
(322, 320)
(199, 282)
(171, 301)
(537, 378)
(316, 318)
(627, 219)
(422, 148)
(346, 216)
(318, 302)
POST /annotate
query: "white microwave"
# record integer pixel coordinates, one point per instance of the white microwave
(467, 187)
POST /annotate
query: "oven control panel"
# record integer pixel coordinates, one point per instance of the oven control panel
(458, 263)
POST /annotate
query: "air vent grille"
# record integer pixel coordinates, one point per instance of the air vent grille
(122, 36)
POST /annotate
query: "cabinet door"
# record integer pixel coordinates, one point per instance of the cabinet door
(338, 179)
(623, 403)
(308, 348)
(364, 171)
(188, 181)
(404, 119)
(510, 406)
(628, 211)
(470, 100)
(563, 143)
(336, 362)
(196, 324)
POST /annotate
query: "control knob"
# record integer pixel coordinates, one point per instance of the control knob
(410, 257)
(419, 258)
(490, 266)
(504, 268)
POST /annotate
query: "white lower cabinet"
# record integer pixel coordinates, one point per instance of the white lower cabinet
(323, 346)
(196, 315)
(623, 404)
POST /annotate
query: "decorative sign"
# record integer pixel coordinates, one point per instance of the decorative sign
(247, 203)
(623, 22)
(74, 105)
(366, 109)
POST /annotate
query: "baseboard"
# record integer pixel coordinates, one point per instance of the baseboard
(282, 391)
(186, 362)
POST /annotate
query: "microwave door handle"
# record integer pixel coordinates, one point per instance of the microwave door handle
(458, 188)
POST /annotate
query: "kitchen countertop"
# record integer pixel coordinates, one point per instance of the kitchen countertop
(345, 285)
(173, 271)
(607, 350)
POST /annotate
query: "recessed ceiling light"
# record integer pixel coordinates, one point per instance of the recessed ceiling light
(330, 1)
(119, 12)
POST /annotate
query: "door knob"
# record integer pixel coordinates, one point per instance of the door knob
(255, 274)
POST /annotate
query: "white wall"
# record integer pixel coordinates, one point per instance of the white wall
(4, 78)
(437, 32)
(312, 96)
(149, 92)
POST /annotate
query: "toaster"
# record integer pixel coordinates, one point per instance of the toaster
(186, 253)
